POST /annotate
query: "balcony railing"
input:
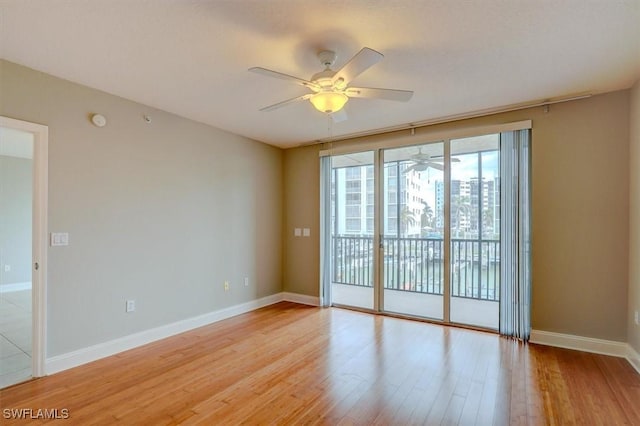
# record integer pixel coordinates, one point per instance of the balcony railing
(416, 264)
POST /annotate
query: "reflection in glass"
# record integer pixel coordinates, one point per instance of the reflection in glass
(413, 223)
(352, 219)
(475, 230)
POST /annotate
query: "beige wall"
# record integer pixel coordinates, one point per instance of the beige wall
(161, 213)
(580, 218)
(302, 210)
(580, 214)
(633, 333)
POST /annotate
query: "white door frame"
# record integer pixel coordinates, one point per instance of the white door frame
(39, 234)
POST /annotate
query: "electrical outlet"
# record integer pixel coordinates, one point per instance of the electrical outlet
(637, 317)
(131, 305)
(246, 281)
(7, 268)
(226, 286)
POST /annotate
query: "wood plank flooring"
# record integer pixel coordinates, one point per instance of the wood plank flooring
(294, 364)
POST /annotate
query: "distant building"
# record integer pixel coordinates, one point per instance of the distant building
(474, 206)
(353, 200)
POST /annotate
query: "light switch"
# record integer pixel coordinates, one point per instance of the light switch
(59, 239)
(297, 232)
(306, 232)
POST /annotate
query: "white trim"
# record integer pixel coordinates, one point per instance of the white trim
(634, 358)
(40, 230)
(588, 344)
(417, 136)
(8, 288)
(580, 343)
(101, 350)
(301, 298)
(39, 234)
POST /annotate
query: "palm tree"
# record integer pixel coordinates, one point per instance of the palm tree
(427, 218)
(460, 208)
(407, 219)
(487, 221)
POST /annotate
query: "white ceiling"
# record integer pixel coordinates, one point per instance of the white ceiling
(191, 57)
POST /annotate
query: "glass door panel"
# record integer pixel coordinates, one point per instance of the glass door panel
(413, 230)
(352, 230)
(475, 231)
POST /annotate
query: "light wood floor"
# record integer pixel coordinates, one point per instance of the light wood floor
(293, 364)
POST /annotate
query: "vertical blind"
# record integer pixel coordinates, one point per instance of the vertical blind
(325, 234)
(515, 229)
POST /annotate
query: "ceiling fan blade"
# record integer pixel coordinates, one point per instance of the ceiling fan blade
(281, 76)
(440, 158)
(287, 102)
(436, 166)
(362, 60)
(371, 92)
(339, 116)
(410, 168)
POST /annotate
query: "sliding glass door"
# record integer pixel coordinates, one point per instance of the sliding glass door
(475, 231)
(413, 230)
(417, 230)
(352, 216)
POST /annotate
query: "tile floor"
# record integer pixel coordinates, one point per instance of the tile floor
(15, 337)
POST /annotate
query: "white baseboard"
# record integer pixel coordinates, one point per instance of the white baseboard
(634, 358)
(587, 344)
(7, 288)
(580, 343)
(92, 353)
(301, 298)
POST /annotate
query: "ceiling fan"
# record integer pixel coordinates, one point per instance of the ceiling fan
(422, 162)
(330, 89)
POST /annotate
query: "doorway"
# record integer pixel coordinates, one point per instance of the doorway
(23, 171)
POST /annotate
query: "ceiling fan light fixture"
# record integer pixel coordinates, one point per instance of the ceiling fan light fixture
(329, 102)
(330, 90)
